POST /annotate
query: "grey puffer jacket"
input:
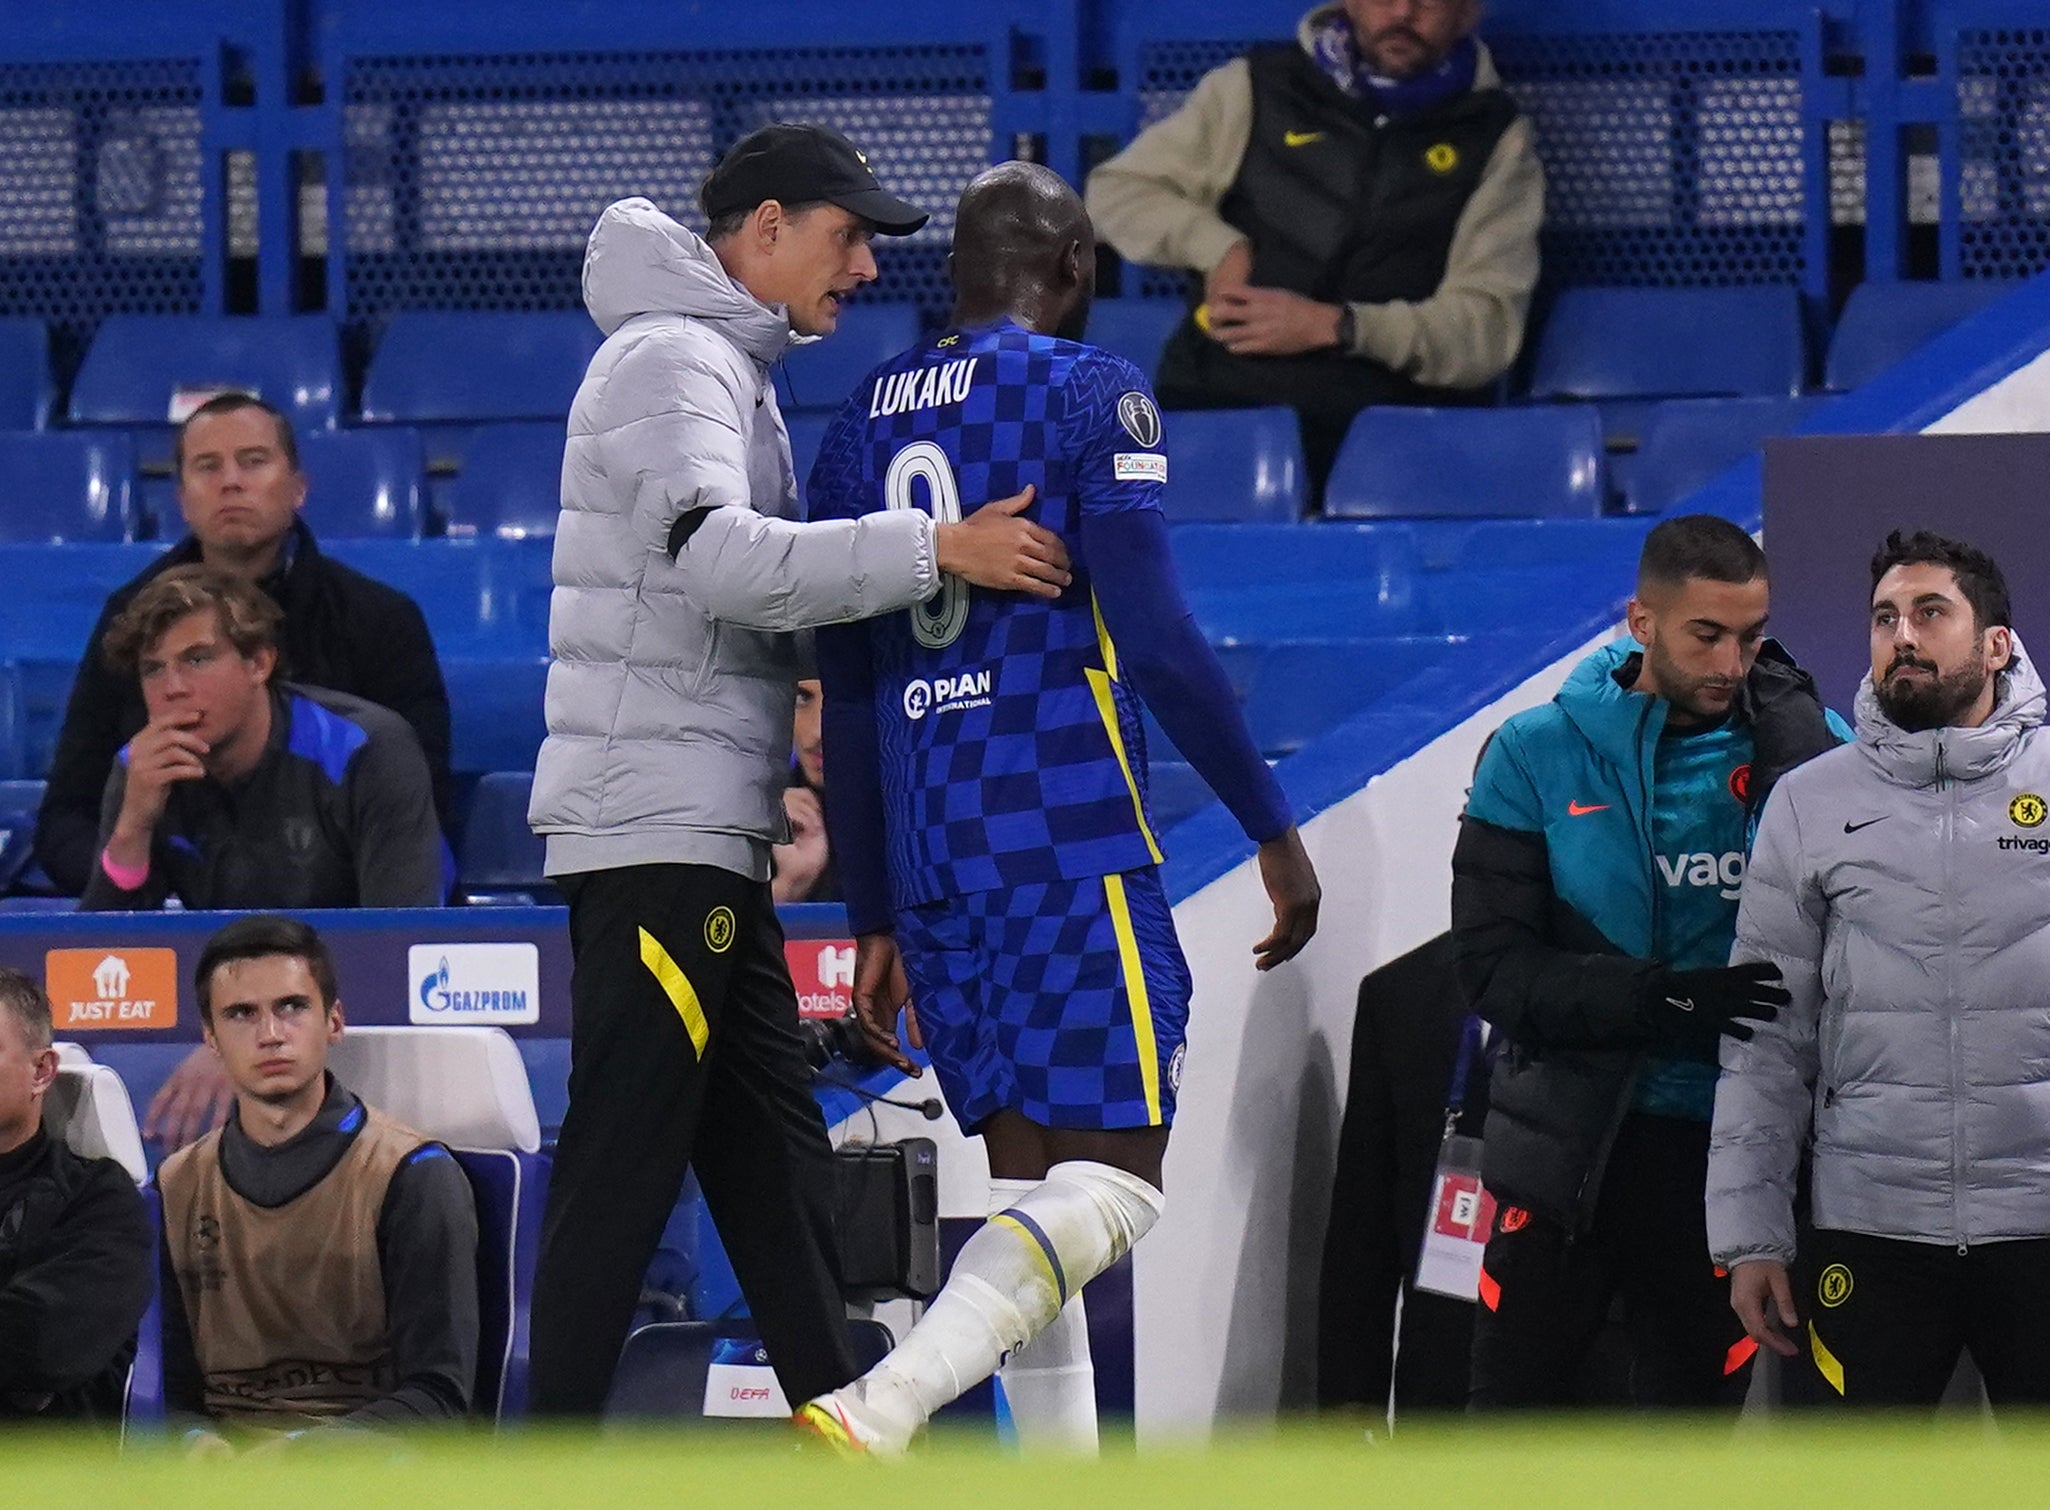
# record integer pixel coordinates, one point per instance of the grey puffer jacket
(1903, 884)
(673, 680)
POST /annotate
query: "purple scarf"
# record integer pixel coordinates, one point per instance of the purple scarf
(1334, 51)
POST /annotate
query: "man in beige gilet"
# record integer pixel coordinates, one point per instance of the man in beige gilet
(319, 1258)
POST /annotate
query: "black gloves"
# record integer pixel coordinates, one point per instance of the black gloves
(1696, 1005)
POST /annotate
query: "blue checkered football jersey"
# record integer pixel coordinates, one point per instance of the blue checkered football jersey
(1010, 749)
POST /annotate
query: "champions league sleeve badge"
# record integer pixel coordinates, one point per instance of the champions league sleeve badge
(1140, 419)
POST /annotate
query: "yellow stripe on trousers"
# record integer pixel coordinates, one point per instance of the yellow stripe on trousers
(1825, 1361)
(1135, 989)
(677, 987)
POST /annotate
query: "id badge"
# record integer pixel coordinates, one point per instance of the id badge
(1462, 1214)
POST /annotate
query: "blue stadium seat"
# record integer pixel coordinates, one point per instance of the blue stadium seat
(140, 364)
(1884, 321)
(501, 859)
(19, 802)
(466, 1087)
(484, 598)
(496, 707)
(1400, 463)
(1625, 343)
(819, 377)
(1136, 329)
(806, 431)
(1688, 441)
(364, 483)
(1303, 689)
(26, 389)
(1235, 465)
(13, 754)
(1173, 791)
(67, 486)
(467, 366)
(510, 484)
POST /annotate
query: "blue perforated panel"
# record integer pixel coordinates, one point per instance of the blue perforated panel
(472, 183)
(1669, 159)
(1672, 159)
(100, 191)
(2001, 183)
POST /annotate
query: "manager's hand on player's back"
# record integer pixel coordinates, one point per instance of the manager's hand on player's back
(1291, 883)
(994, 548)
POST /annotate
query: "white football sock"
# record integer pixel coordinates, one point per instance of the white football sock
(1049, 1384)
(1009, 1283)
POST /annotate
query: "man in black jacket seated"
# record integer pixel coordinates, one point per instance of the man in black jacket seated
(240, 488)
(74, 1244)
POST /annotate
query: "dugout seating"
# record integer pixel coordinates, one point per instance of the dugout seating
(1403, 463)
(27, 392)
(502, 724)
(366, 484)
(1621, 348)
(510, 483)
(820, 376)
(141, 370)
(1688, 441)
(87, 1106)
(1235, 464)
(1136, 329)
(467, 1088)
(67, 487)
(1883, 322)
(500, 859)
(448, 370)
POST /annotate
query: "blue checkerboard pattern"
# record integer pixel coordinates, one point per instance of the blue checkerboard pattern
(999, 764)
(1024, 1002)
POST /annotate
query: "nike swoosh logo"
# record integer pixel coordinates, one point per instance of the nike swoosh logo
(1684, 1003)
(1578, 810)
(1852, 828)
(1300, 138)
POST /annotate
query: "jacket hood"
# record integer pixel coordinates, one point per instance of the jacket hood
(640, 262)
(1485, 74)
(1609, 715)
(1955, 754)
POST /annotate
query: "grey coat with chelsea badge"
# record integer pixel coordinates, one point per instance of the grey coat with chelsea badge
(1902, 882)
(680, 571)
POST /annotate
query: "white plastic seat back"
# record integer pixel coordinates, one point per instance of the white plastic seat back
(466, 1087)
(88, 1107)
(71, 1054)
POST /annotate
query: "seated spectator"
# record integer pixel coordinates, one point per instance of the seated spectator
(1363, 207)
(240, 489)
(74, 1244)
(319, 1259)
(804, 866)
(242, 791)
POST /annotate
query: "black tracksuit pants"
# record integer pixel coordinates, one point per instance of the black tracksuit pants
(1545, 1295)
(684, 1052)
(1887, 1320)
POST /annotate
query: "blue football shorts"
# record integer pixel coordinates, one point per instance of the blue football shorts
(1066, 1001)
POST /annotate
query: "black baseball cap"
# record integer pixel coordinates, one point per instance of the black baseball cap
(797, 163)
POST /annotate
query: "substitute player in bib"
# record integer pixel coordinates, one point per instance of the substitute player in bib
(989, 808)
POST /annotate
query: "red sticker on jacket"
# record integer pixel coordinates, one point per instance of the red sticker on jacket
(1740, 783)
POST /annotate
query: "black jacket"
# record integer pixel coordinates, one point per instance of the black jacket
(342, 631)
(337, 813)
(74, 1282)
(1362, 218)
(1564, 997)
(1405, 1042)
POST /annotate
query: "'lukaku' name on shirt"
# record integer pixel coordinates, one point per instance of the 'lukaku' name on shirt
(944, 383)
